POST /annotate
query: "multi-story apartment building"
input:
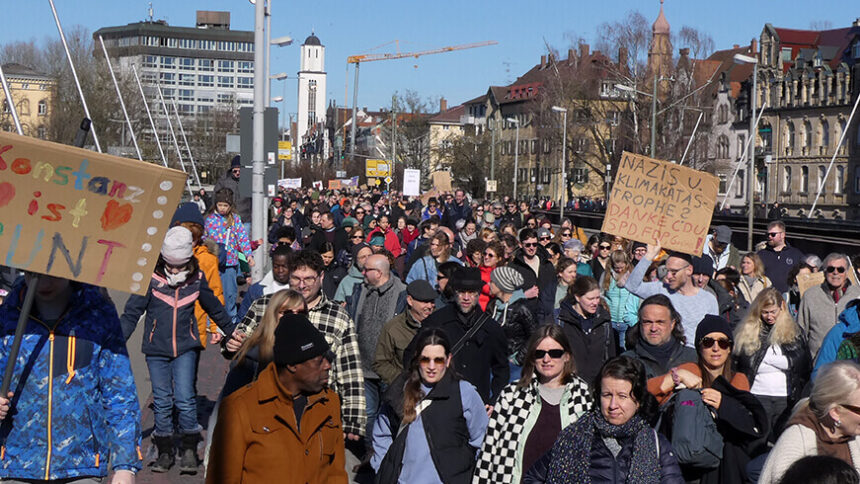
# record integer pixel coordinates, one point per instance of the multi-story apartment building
(33, 95)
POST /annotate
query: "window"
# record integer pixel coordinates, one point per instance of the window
(804, 179)
(246, 66)
(840, 180)
(825, 137)
(186, 95)
(580, 176)
(723, 146)
(786, 179)
(25, 85)
(785, 54)
(225, 81)
(149, 61)
(546, 175)
(609, 146)
(857, 179)
(245, 82)
(225, 98)
(186, 79)
(205, 80)
(807, 138)
(205, 65)
(186, 108)
(741, 144)
(855, 50)
(41, 132)
(723, 184)
(167, 78)
(203, 109)
(739, 187)
(789, 138)
(186, 64)
(822, 173)
(723, 113)
(534, 146)
(168, 62)
(612, 118)
(43, 107)
(225, 66)
(167, 93)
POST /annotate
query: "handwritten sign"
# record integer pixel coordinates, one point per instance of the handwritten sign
(657, 201)
(288, 183)
(411, 182)
(72, 213)
(441, 181)
(335, 184)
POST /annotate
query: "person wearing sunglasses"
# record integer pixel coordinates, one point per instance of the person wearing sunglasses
(771, 351)
(430, 428)
(827, 423)
(823, 305)
(778, 257)
(530, 413)
(531, 261)
(600, 259)
(741, 420)
(753, 280)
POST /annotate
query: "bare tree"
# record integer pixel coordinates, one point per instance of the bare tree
(467, 156)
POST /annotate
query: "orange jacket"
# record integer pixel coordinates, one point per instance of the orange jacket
(256, 439)
(208, 263)
(739, 381)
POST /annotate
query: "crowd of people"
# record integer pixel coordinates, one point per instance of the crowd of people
(447, 340)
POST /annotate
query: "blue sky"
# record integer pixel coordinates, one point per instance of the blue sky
(522, 28)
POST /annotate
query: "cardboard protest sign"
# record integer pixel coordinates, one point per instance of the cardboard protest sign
(805, 281)
(334, 185)
(657, 201)
(441, 181)
(90, 217)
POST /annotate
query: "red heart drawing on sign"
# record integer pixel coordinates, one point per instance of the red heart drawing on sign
(116, 215)
(7, 193)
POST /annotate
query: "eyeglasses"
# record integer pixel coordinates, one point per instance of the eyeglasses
(708, 342)
(605, 247)
(832, 269)
(565, 234)
(489, 255)
(440, 277)
(236, 170)
(774, 234)
(530, 244)
(546, 238)
(307, 281)
(359, 212)
(357, 237)
(674, 272)
(554, 354)
(425, 360)
(852, 408)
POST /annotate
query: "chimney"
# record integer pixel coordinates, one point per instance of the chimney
(443, 105)
(754, 45)
(583, 50)
(622, 56)
(856, 22)
(735, 46)
(685, 52)
(570, 55)
(542, 61)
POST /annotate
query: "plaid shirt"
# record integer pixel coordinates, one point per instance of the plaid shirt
(346, 377)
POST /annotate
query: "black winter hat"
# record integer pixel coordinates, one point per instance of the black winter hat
(703, 265)
(712, 324)
(236, 161)
(297, 340)
(466, 279)
(188, 212)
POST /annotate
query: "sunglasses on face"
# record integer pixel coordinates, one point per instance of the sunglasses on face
(545, 238)
(425, 360)
(832, 269)
(773, 234)
(852, 408)
(554, 354)
(489, 255)
(708, 342)
(565, 234)
(605, 247)
(357, 237)
(530, 244)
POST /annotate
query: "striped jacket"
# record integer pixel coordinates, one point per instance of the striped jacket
(171, 328)
(75, 406)
(346, 376)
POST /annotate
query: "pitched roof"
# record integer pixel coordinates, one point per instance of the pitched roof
(450, 116)
(836, 41)
(19, 70)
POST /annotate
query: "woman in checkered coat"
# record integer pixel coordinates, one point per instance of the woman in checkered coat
(530, 413)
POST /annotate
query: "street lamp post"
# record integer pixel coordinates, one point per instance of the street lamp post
(654, 118)
(745, 59)
(516, 153)
(562, 110)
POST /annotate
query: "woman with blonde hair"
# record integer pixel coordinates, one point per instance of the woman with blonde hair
(827, 423)
(753, 280)
(772, 352)
(623, 305)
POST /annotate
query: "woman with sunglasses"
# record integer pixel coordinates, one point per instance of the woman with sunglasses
(741, 420)
(491, 258)
(600, 261)
(530, 413)
(434, 414)
(771, 351)
(753, 280)
(826, 423)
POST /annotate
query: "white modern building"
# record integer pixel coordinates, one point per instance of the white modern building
(312, 87)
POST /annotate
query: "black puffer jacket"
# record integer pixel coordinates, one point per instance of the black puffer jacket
(799, 364)
(592, 346)
(518, 323)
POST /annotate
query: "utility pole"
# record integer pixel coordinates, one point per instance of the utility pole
(493, 150)
(393, 139)
(258, 208)
(654, 118)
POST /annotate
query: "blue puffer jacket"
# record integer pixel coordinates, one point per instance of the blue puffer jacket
(75, 406)
(848, 323)
(171, 328)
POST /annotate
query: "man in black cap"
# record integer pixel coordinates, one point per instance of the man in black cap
(231, 180)
(480, 346)
(398, 332)
(288, 412)
(718, 246)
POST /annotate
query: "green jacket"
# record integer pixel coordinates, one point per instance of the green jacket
(396, 335)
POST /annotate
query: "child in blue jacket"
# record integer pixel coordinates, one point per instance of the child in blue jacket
(171, 343)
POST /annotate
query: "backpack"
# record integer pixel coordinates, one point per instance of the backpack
(690, 427)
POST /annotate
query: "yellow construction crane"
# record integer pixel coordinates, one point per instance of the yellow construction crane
(358, 59)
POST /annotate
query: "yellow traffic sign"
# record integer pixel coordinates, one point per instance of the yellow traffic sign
(377, 168)
(285, 150)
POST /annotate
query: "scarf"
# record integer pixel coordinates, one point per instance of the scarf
(826, 445)
(661, 353)
(571, 455)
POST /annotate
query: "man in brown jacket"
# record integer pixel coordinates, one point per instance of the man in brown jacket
(286, 426)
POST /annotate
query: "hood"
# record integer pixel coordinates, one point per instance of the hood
(568, 314)
(354, 272)
(851, 319)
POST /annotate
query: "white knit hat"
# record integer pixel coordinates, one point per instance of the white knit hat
(178, 246)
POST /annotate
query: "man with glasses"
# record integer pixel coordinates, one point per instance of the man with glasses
(513, 215)
(691, 302)
(537, 272)
(778, 257)
(718, 246)
(658, 338)
(821, 305)
(373, 303)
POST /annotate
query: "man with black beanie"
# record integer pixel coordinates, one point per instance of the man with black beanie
(288, 412)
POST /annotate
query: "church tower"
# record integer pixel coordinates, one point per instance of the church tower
(660, 53)
(312, 88)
